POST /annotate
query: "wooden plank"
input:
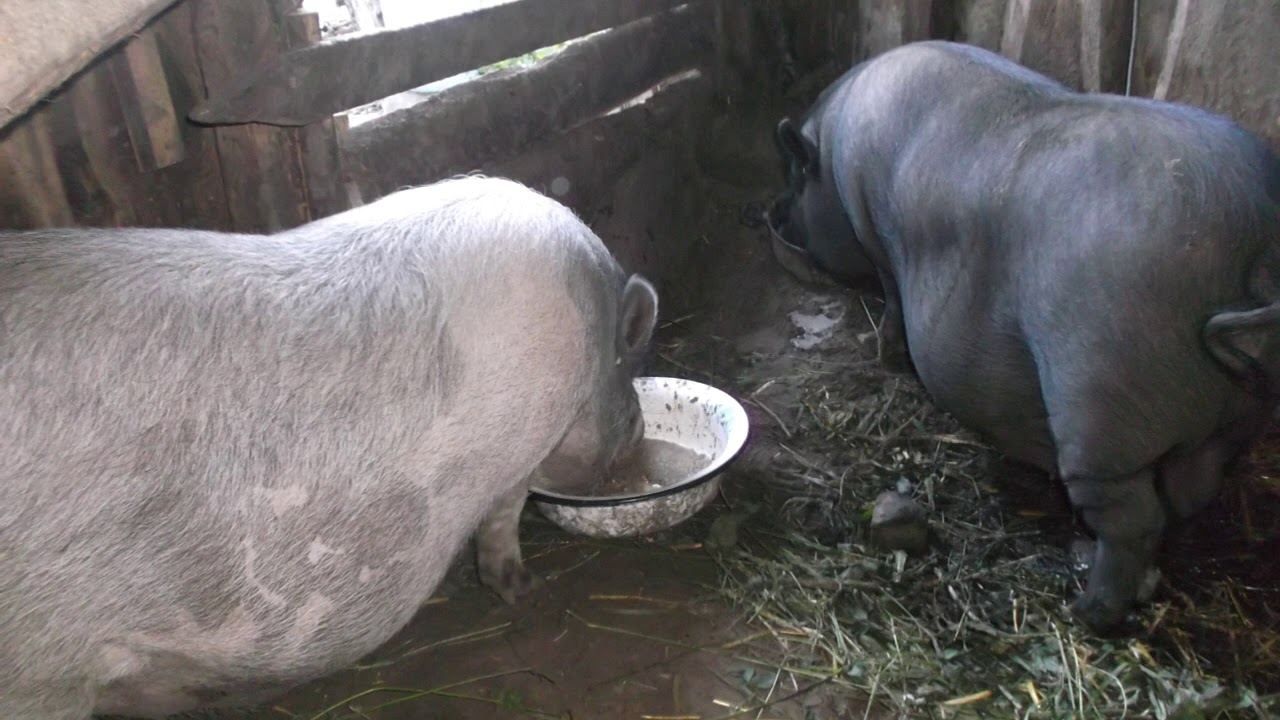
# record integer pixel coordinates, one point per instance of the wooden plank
(153, 124)
(312, 83)
(1105, 29)
(1154, 21)
(201, 200)
(34, 195)
(95, 155)
(471, 124)
(1083, 44)
(48, 41)
(138, 77)
(322, 167)
(302, 29)
(187, 193)
(1044, 35)
(981, 22)
(261, 165)
(110, 180)
(1224, 57)
(737, 46)
(321, 160)
(886, 24)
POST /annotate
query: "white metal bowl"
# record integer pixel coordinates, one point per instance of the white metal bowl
(695, 416)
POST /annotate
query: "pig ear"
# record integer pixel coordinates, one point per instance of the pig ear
(797, 146)
(639, 316)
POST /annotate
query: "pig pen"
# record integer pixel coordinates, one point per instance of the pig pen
(772, 602)
(658, 130)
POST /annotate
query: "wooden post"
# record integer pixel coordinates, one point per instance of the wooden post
(1083, 44)
(321, 160)
(261, 165)
(886, 24)
(140, 81)
(29, 174)
(196, 184)
(102, 178)
(981, 22)
(1220, 56)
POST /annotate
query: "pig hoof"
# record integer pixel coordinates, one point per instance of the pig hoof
(1082, 551)
(1100, 614)
(512, 581)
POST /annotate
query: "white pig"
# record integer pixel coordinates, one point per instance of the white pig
(235, 463)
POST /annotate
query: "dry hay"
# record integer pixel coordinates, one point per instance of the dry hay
(977, 627)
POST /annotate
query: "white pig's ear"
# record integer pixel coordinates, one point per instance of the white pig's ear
(638, 317)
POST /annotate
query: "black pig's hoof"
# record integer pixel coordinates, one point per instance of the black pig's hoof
(1101, 614)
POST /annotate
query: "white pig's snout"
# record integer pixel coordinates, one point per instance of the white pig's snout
(636, 430)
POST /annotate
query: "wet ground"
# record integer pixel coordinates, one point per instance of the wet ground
(615, 634)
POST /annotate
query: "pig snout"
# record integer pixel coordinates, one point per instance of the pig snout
(636, 434)
(610, 426)
(630, 444)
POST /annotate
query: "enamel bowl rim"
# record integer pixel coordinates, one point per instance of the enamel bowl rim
(773, 228)
(738, 428)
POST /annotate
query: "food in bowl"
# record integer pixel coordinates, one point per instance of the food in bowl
(692, 432)
(655, 463)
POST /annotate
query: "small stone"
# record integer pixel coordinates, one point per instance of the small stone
(899, 523)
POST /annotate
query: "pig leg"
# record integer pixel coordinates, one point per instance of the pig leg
(1191, 480)
(1126, 515)
(892, 331)
(498, 549)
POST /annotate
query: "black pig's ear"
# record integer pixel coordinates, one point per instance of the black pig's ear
(802, 151)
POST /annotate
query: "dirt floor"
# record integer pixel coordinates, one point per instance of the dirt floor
(615, 635)
(656, 629)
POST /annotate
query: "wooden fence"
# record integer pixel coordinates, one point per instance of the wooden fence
(117, 145)
(1219, 54)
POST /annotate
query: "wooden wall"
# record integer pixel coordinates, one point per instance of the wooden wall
(113, 146)
(1223, 55)
(117, 146)
(110, 148)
